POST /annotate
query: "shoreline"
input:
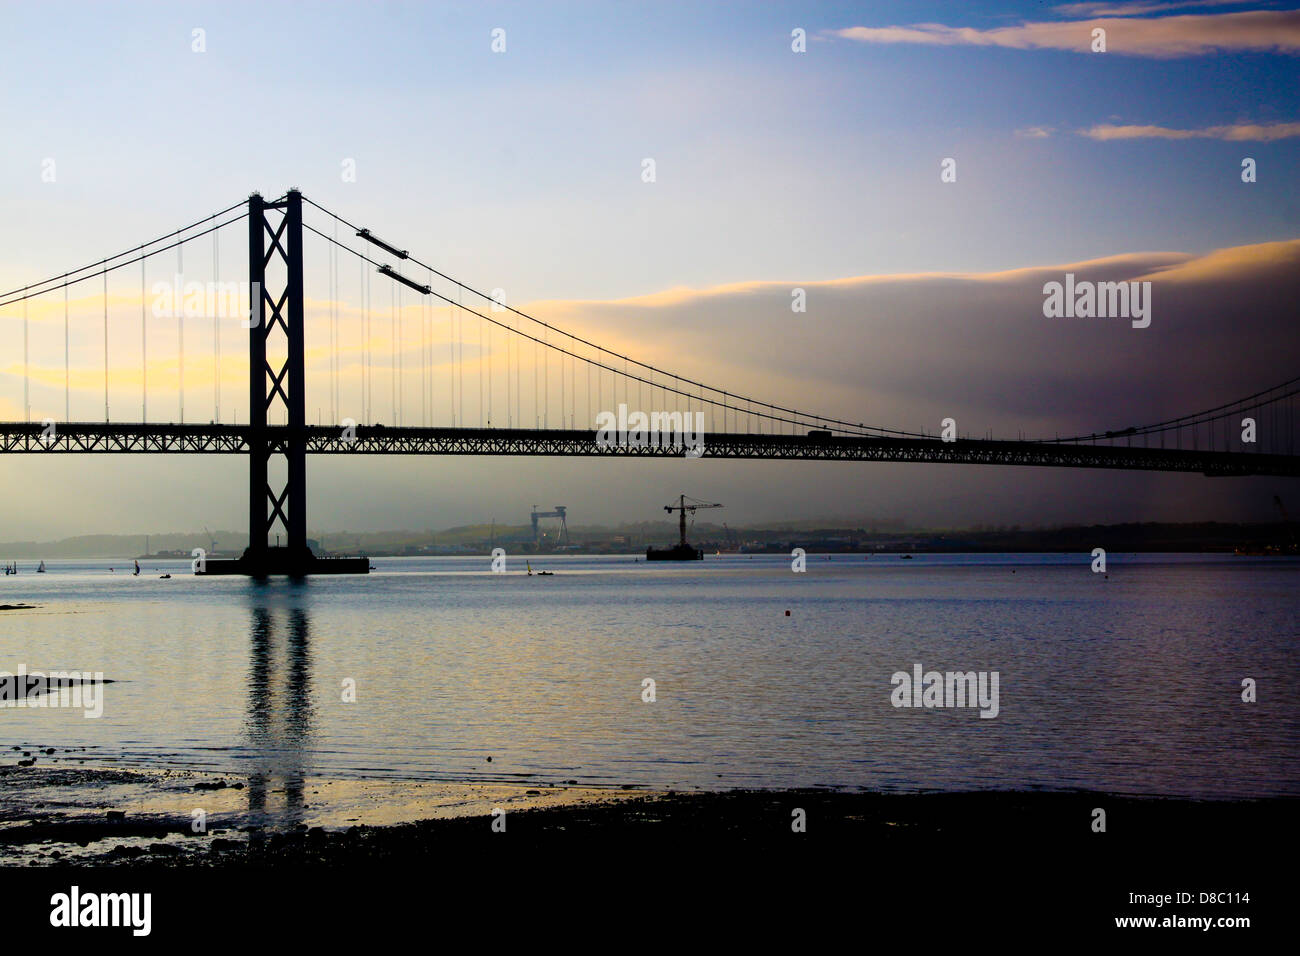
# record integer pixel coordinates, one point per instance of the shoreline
(98, 813)
(97, 816)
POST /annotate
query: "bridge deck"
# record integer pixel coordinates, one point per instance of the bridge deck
(101, 438)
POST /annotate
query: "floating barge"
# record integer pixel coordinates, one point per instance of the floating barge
(680, 551)
(295, 563)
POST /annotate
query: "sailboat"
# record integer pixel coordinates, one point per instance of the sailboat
(40, 569)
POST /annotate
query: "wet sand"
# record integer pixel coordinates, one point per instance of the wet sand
(102, 815)
(90, 814)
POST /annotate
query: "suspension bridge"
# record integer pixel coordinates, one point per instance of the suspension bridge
(533, 388)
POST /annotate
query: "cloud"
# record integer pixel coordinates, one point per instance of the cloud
(1253, 30)
(907, 350)
(1035, 132)
(1238, 133)
(917, 333)
(1139, 7)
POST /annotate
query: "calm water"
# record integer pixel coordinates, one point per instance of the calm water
(1130, 683)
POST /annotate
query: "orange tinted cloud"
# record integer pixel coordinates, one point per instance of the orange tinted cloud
(1239, 132)
(1188, 35)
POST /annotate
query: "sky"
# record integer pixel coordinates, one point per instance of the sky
(523, 170)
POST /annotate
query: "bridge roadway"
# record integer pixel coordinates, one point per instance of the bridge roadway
(160, 438)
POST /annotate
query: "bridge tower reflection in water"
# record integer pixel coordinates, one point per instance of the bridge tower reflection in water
(278, 720)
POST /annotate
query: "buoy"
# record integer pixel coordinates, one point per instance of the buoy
(787, 613)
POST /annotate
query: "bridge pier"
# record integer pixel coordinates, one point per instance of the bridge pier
(284, 389)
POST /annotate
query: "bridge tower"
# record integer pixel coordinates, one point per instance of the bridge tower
(276, 315)
(277, 390)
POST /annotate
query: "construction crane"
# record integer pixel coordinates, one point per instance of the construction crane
(559, 512)
(212, 542)
(683, 507)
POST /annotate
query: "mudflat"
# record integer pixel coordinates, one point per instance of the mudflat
(104, 815)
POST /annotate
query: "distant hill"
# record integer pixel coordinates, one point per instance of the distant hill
(634, 537)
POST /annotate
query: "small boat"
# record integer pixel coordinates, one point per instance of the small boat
(905, 557)
(40, 568)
